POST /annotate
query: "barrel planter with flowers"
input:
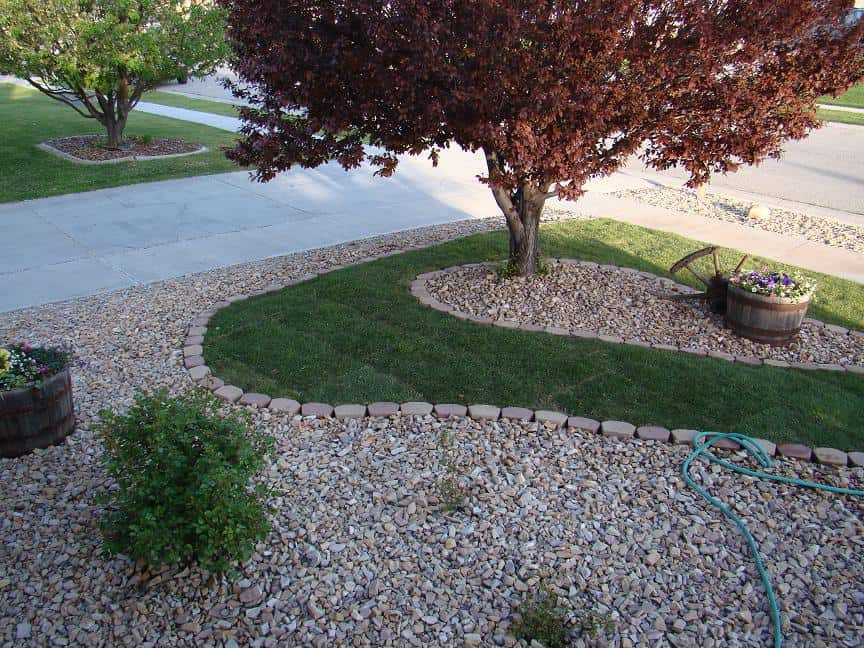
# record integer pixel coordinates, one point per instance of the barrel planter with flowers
(767, 306)
(36, 408)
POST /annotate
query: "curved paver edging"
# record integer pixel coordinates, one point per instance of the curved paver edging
(200, 373)
(418, 289)
(129, 158)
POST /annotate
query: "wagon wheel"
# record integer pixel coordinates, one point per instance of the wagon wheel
(715, 285)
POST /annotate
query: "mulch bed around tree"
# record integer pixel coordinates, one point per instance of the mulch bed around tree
(93, 148)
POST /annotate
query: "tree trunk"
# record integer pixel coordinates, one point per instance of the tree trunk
(525, 240)
(115, 127)
(522, 209)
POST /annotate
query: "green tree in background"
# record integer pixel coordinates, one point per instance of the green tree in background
(101, 56)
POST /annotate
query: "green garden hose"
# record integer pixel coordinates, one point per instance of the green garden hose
(701, 449)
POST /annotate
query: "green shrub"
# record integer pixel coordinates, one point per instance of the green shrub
(542, 619)
(183, 474)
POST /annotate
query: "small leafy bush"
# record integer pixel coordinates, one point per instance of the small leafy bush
(542, 619)
(184, 482)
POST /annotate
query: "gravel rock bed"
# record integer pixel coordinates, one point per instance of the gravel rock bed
(626, 304)
(827, 231)
(361, 553)
(90, 148)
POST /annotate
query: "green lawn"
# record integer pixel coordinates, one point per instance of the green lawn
(357, 335)
(181, 101)
(28, 118)
(853, 97)
(841, 116)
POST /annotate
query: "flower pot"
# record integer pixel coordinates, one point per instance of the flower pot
(36, 417)
(770, 320)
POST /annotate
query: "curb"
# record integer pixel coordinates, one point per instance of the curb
(129, 158)
(418, 289)
(201, 375)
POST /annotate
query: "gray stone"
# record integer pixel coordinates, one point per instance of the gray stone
(194, 349)
(22, 631)
(795, 451)
(194, 339)
(319, 410)
(445, 410)
(481, 412)
(383, 409)
(198, 330)
(684, 437)
(721, 355)
(830, 456)
(556, 419)
(415, 408)
(767, 446)
(617, 429)
(229, 393)
(839, 330)
(255, 400)
(856, 458)
(287, 405)
(557, 330)
(517, 413)
(653, 433)
(193, 361)
(694, 351)
(199, 373)
(582, 423)
(349, 411)
(776, 363)
(748, 360)
(612, 339)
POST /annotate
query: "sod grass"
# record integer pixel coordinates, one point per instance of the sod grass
(358, 335)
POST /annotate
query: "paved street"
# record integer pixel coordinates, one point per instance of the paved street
(826, 170)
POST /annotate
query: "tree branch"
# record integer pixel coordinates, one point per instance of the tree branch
(502, 197)
(58, 95)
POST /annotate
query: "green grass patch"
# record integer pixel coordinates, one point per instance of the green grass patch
(854, 97)
(841, 116)
(358, 335)
(28, 118)
(182, 101)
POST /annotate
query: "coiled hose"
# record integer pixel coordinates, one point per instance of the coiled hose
(702, 442)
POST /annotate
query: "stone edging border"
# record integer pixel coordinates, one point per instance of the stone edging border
(200, 373)
(418, 289)
(130, 158)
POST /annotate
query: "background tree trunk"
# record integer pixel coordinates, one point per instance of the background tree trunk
(114, 127)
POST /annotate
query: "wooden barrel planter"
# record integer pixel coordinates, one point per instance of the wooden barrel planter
(775, 321)
(36, 417)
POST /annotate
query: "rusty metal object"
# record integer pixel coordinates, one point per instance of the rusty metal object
(715, 285)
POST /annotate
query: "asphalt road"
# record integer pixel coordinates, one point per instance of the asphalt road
(826, 169)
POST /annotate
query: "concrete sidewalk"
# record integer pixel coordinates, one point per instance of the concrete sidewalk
(70, 246)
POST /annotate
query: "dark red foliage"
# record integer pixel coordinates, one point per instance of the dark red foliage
(553, 92)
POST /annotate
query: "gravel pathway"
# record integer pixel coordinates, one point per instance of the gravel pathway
(361, 553)
(619, 302)
(827, 231)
